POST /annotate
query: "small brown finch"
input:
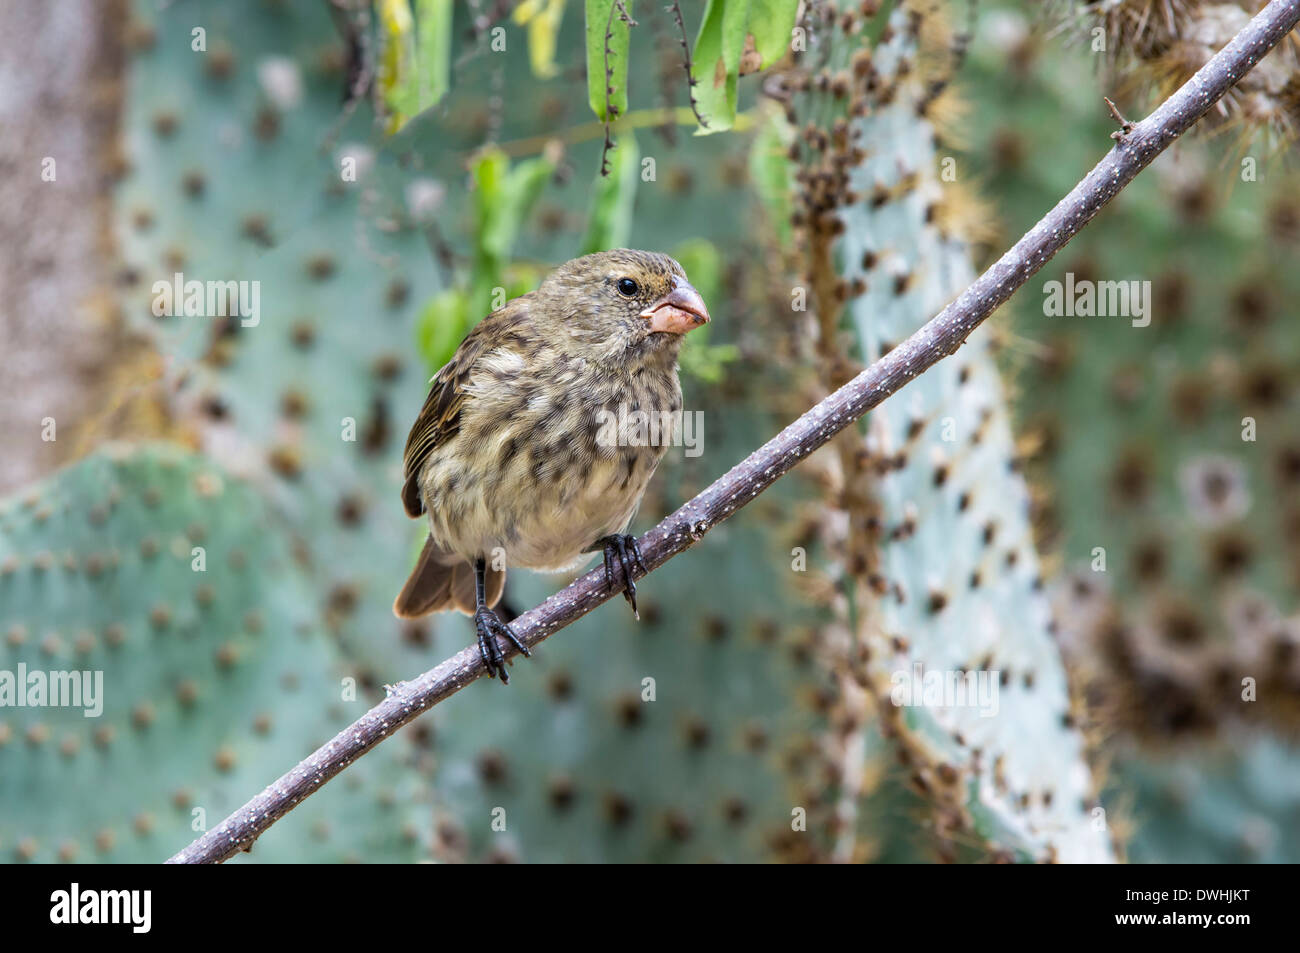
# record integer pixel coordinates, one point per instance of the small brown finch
(512, 457)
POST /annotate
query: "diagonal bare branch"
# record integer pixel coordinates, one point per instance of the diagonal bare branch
(943, 335)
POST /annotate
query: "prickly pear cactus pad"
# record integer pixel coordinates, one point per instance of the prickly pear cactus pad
(1163, 457)
(242, 165)
(969, 596)
(955, 627)
(170, 587)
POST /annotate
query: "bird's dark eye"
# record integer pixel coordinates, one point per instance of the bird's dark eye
(627, 287)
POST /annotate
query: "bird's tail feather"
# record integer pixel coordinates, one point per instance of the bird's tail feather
(443, 580)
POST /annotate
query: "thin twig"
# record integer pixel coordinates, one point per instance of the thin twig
(691, 81)
(1125, 127)
(476, 37)
(942, 336)
(353, 24)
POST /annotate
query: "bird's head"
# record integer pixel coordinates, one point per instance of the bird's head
(623, 306)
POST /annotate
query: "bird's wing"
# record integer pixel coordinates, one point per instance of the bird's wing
(439, 418)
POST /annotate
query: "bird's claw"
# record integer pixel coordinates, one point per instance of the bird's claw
(628, 553)
(488, 627)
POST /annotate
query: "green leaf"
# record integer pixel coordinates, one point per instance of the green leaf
(598, 20)
(525, 186)
(771, 22)
(441, 326)
(542, 17)
(433, 50)
(718, 49)
(396, 74)
(415, 63)
(503, 200)
(489, 171)
(609, 223)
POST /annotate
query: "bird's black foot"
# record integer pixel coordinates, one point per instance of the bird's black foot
(625, 550)
(489, 627)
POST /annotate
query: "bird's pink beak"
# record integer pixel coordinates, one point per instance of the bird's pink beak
(679, 311)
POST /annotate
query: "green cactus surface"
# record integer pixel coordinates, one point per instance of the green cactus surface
(174, 588)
